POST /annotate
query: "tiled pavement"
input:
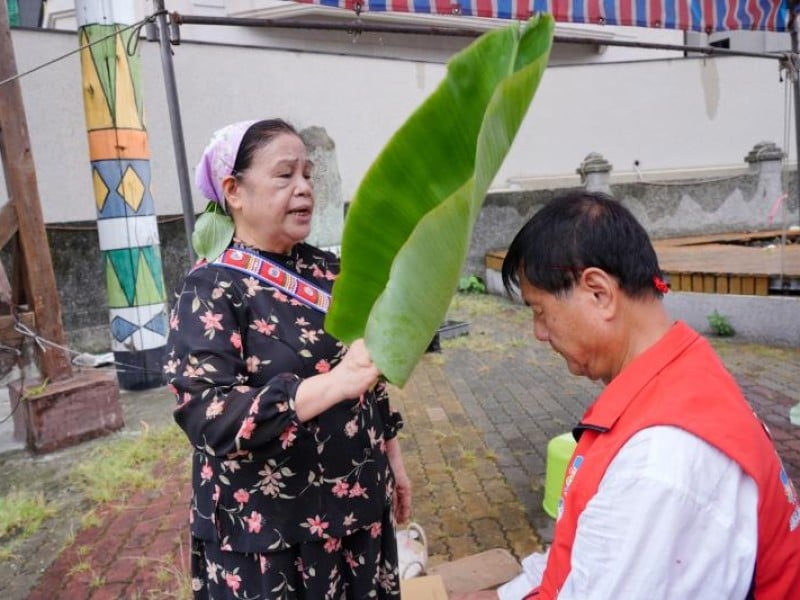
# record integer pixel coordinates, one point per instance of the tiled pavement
(478, 418)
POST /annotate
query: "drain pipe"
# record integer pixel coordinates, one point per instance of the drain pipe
(795, 77)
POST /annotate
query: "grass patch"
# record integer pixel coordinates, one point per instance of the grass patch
(119, 468)
(436, 359)
(475, 343)
(727, 346)
(173, 576)
(473, 305)
(468, 459)
(22, 513)
(518, 342)
(90, 519)
(6, 554)
(96, 581)
(476, 305)
(83, 566)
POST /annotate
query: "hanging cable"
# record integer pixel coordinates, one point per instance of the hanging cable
(44, 343)
(138, 25)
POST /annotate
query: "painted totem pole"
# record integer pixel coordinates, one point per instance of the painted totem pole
(126, 216)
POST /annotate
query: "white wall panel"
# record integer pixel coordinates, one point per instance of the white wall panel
(684, 114)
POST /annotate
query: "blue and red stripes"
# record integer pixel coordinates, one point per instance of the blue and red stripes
(694, 15)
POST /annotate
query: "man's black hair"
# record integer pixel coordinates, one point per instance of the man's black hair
(577, 231)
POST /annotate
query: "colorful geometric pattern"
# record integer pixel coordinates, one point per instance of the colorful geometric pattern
(111, 80)
(126, 217)
(695, 15)
(122, 188)
(134, 276)
(140, 327)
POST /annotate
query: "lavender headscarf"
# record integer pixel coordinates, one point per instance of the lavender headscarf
(218, 160)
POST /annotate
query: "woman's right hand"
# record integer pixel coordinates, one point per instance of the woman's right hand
(353, 376)
(356, 373)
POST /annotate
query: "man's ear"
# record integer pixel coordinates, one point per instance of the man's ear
(230, 188)
(603, 288)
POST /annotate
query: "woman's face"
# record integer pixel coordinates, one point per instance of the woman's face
(272, 200)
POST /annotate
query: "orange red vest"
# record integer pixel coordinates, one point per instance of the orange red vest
(681, 382)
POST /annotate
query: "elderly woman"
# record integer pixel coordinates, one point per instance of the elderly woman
(297, 473)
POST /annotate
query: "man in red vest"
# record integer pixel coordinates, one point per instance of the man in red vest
(675, 489)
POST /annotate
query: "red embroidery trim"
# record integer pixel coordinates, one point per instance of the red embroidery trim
(274, 275)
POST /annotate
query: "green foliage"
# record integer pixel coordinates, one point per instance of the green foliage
(471, 285)
(720, 325)
(213, 231)
(120, 467)
(22, 512)
(425, 190)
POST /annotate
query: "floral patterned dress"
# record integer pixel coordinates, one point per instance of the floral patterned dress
(280, 508)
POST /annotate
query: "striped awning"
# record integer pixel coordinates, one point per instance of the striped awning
(693, 15)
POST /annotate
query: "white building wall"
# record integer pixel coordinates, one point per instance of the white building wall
(700, 115)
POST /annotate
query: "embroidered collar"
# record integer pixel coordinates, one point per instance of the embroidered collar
(277, 276)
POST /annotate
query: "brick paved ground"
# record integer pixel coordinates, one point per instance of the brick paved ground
(478, 418)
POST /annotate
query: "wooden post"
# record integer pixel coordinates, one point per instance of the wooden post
(65, 409)
(23, 195)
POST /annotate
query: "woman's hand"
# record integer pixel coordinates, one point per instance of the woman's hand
(353, 376)
(401, 500)
(355, 373)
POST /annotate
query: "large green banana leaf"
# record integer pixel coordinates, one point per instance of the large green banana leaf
(408, 228)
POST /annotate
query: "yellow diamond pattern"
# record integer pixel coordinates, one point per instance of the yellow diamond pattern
(100, 190)
(131, 189)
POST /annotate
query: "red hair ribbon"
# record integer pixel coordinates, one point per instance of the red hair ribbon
(660, 284)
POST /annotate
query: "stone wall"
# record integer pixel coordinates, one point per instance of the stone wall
(666, 209)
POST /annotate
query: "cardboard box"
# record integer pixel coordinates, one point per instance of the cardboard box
(426, 587)
(483, 571)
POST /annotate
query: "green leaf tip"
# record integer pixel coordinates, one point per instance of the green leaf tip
(408, 227)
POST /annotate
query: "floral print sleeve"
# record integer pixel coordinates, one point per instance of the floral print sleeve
(226, 403)
(392, 420)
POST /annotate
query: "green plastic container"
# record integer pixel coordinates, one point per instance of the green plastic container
(559, 451)
(13, 12)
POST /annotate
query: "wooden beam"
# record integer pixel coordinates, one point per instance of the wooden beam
(8, 223)
(23, 193)
(748, 285)
(762, 286)
(8, 335)
(722, 284)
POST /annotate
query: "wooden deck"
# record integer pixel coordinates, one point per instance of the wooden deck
(721, 264)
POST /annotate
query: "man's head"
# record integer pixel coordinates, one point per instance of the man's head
(590, 274)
